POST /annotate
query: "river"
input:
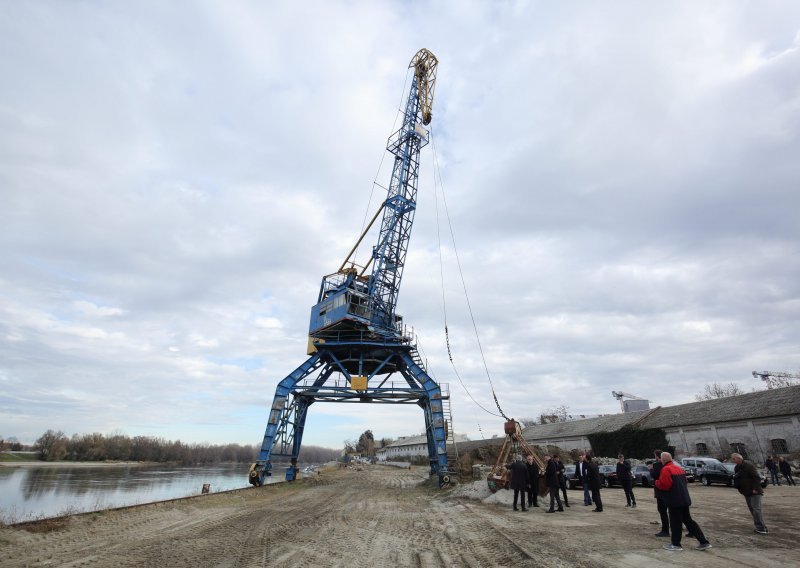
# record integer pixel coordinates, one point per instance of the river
(28, 493)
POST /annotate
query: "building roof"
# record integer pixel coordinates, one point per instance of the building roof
(760, 404)
(415, 440)
(578, 428)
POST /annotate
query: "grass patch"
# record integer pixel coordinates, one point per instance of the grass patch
(14, 457)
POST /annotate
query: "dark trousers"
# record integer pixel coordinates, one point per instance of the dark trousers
(533, 495)
(627, 485)
(554, 498)
(562, 483)
(598, 502)
(789, 478)
(519, 494)
(662, 510)
(680, 516)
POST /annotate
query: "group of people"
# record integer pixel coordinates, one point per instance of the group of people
(670, 488)
(781, 466)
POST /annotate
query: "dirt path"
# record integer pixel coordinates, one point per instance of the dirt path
(390, 517)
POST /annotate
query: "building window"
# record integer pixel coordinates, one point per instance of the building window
(739, 448)
(779, 446)
(702, 449)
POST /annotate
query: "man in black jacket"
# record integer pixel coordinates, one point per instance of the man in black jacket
(519, 480)
(655, 471)
(551, 478)
(748, 482)
(594, 484)
(786, 469)
(533, 482)
(562, 480)
(626, 479)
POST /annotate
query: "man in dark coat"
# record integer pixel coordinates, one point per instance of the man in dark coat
(772, 467)
(551, 478)
(533, 482)
(594, 484)
(786, 469)
(519, 480)
(582, 474)
(655, 471)
(562, 480)
(675, 490)
(748, 482)
(626, 479)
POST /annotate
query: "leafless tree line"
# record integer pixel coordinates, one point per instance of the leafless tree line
(55, 446)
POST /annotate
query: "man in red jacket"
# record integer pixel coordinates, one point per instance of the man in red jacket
(675, 492)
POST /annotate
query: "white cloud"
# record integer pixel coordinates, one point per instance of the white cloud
(622, 181)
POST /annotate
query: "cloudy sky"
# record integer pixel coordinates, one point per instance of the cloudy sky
(621, 178)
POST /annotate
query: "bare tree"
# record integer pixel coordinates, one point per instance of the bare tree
(717, 390)
(555, 414)
(52, 446)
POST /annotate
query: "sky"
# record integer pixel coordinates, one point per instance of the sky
(621, 180)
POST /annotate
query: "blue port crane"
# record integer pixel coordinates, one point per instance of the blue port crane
(359, 350)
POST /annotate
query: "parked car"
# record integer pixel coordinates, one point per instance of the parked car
(642, 476)
(608, 476)
(694, 465)
(569, 476)
(722, 473)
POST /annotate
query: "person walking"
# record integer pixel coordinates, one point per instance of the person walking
(786, 469)
(533, 482)
(626, 479)
(519, 480)
(551, 479)
(748, 482)
(594, 484)
(655, 471)
(772, 467)
(672, 482)
(582, 475)
(562, 480)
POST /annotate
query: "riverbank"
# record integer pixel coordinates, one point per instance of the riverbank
(383, 516)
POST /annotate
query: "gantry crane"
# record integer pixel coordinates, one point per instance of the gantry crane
(359, 350)
(773, 378)
(619, 395)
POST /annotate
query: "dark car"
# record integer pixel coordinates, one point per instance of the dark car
(608, 476)
(642, 475)
(722, 473)
(569, 477)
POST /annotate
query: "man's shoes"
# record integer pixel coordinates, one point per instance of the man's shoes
(536, 504)
(560, 509)
(634, 505)
(550, 511)
(566, 504)
(524, 510)
(672, 547)
(587, 504)
(628, 505)
(765, 531)
(516, 509)
(703, 546)
(597, 510)
(662, 533)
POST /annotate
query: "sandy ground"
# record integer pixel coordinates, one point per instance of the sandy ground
(383, 516)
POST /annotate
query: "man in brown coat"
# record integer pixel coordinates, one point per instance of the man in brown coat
(748, 482)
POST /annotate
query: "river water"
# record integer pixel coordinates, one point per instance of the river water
(28, 493)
